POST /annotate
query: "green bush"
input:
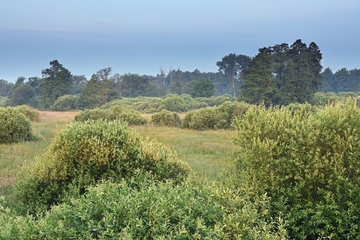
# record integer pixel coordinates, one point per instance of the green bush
(65, 103)
(204, 118)
(173, 103)
(166, 118)
(219, 117)
(29, 112)
(15, 127)
(142, 209)
(307, 162)
(114, 113)
(88, 152)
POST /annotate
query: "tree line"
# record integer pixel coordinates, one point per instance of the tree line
(277, 75)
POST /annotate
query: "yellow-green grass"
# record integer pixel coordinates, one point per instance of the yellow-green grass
(209, 153)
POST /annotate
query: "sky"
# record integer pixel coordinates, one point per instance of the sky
(144, 36)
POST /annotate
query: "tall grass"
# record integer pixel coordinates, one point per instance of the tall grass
(209, 153)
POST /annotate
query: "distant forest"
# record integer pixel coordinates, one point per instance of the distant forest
(277, 75)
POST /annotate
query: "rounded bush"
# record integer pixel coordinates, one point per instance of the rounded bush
(65, 103)
(29, 112)
(174, 103)
(166, 118)
(88, 152)
(14, 126)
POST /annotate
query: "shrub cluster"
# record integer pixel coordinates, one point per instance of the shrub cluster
(15, 126)
(143, 209)
(132, 117)
(308, 163)
(86, 153)
(171, 102)
(217, 117)
(166, 118)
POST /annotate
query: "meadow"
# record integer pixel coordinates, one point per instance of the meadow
(209, 153)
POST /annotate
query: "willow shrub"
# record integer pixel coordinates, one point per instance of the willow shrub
(140, 208)
(217, 117)
(88, 152)
(166, 118)
(308, 163)
(15, 126)
(132, 117)
(29, 112)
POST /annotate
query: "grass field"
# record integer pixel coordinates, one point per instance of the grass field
(209, 153)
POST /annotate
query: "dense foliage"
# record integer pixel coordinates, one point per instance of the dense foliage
(132, 117)
(29, 112)
(89, 152)
(307, 161)
(15, 126)
(280, 74)
(57, 82)
(166, 118)
(140, 208)
(217, 117)
(65, 103)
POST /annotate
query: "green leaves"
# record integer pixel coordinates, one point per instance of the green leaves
(306, 160)
(141, 208)
(15, 126)
(88, 152)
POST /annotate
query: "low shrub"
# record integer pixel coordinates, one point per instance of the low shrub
(307, 162)
(15, 127)
(88, 152)
(65, 103)
(218, 117)
(132, 117)
(173, 103)
(166, 118)
(29, 112)
(143, 209)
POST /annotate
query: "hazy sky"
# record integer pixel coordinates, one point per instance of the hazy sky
(142, 36)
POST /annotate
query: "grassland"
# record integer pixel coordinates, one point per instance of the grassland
(209, 153)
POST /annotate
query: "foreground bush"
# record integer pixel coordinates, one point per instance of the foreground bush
(166, 118)
(308, 163)
(88, 152)
(15, 126)
(142, 209)
(114, 113)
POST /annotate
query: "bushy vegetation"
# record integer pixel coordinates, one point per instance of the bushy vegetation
(65, 103)
(15, 127)
(171, 102)
(29, 112)
(140, 208)
(307, 162)
(132, 117)
(217, 117)
(166, 118)
(89, 152)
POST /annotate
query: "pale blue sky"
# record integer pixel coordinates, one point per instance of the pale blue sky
(142, 36)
